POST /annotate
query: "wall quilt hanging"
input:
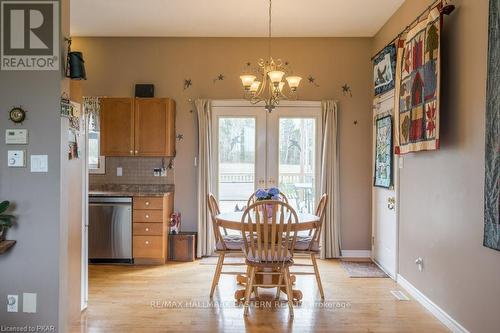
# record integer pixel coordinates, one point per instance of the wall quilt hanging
(384, 70)
(492, 151)
(417, 88)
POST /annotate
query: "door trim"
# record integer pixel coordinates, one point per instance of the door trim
(245, 103)
(223, 108)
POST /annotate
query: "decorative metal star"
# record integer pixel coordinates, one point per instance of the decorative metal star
(179, 137)
(312, 81)
(346, 90)
(219, 77)
(187, 83)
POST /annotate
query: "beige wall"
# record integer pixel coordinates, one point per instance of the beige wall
(441, 216)
(114, 65)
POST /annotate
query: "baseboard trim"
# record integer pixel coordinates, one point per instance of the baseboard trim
(355, 253)
(439, 313)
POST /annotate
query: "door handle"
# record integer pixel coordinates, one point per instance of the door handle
(391, 203)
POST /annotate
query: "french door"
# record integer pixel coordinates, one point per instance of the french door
(256, 149)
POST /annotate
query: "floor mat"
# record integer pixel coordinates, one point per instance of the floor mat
(357, 269)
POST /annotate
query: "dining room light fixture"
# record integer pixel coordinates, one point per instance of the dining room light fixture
(266, 82)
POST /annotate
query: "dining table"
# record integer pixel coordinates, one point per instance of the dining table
(232, 221)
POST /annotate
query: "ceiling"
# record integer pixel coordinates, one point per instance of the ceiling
(230, 18)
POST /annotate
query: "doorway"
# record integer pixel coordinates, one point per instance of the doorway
(257, 149)
(385, 203)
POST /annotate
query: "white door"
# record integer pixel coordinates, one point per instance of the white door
(384, 203)
(256, 149)
(239, 145)
(294, 148)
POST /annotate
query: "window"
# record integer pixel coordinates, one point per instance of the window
(95, 160)
(257, 149)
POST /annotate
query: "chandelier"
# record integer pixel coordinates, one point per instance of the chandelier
(266, 83)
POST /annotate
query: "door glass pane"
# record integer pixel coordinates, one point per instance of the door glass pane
(236, 177)
(297, 157)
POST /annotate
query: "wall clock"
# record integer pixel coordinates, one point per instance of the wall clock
(17, 115)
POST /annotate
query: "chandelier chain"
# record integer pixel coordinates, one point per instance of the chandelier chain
(266, 83)
(270, 26)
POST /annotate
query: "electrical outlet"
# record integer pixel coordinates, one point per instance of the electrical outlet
(401, 162)
(12, 303)
(119, 171)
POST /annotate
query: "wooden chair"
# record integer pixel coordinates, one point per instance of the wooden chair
(253, 198)
(224, 243)
(309, 244)
(269, 239)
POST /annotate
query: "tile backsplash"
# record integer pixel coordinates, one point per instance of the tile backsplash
(135, 170)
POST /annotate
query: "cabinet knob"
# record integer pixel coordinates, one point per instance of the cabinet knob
(131, 152)
(147, 216)
(147, 203)
(136, 152)
(147, 242)
(147, 229)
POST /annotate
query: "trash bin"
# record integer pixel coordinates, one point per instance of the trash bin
(182, 246)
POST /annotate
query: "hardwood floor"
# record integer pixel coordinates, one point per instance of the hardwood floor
(174, 298)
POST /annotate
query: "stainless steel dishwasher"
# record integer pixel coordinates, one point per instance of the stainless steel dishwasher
(110, 229)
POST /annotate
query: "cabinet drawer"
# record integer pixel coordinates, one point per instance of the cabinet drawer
(147, 229)
(148, 247)
(148, 215)
(148, 203)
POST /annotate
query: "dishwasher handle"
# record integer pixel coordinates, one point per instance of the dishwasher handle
(110, 200)
(109, 204)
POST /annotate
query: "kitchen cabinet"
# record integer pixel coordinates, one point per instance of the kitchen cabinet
(117, 126)
(151, 218)
(154, 127)
(137, 127)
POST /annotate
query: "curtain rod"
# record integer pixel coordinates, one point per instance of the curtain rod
(447, 9)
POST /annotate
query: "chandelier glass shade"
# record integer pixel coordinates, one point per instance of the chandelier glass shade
(271, 81)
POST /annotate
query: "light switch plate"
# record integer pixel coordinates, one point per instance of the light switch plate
(16, 136)
(16, 158)
(29, 302)
(119, 171)
(39, 163)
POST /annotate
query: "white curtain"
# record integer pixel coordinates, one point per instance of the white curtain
(330, 180)
(205, 234)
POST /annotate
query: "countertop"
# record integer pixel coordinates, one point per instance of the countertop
(132, 190)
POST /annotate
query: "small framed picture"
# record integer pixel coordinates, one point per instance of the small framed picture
(383, 152)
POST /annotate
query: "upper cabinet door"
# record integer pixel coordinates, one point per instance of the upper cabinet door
(154, 127)
(117, 126)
